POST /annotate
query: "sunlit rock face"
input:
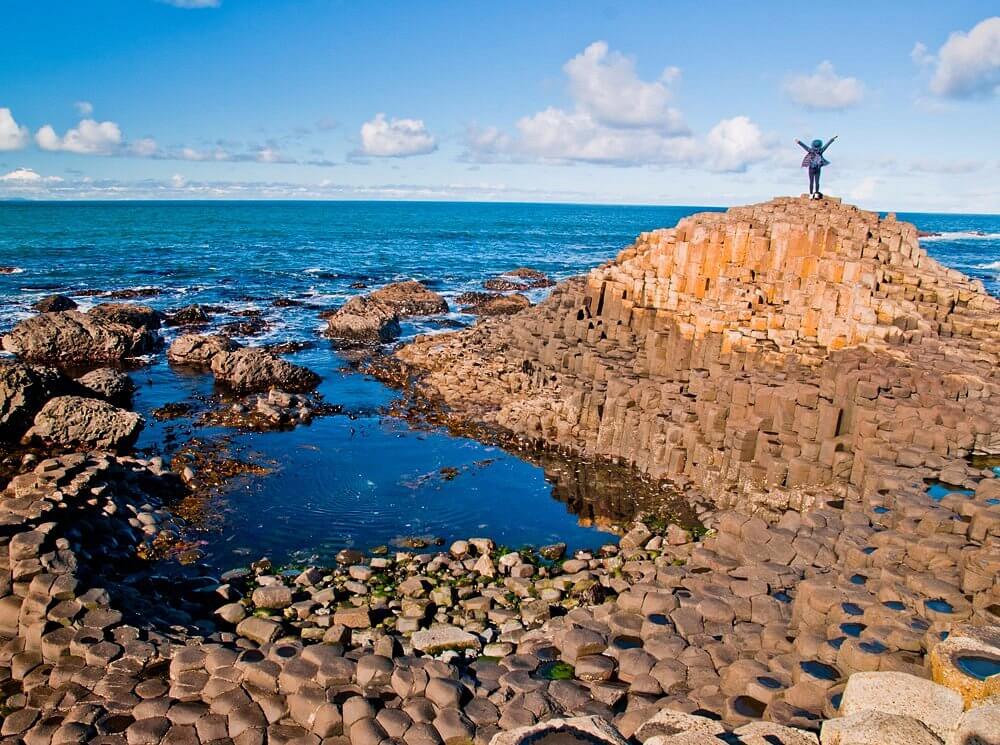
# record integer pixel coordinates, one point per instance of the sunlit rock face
(753, 352)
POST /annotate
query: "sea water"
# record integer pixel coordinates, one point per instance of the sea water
(359, 478)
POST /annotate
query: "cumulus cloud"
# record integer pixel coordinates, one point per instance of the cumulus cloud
(824, 89)
(395, 138)
(85, 108)
(618, 119)
(12, 135)
(604, 84)
(734, 144)
(865, 189)
(28, 176)
(968, 64)
(89, 137)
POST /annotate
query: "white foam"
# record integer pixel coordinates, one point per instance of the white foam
(15, 270)
(991, 265)
(961, 235)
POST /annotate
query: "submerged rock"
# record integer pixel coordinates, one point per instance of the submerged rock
(74, 337)
(129, 314)
(75, 421)
(254, 369)
(198, 350)
(54, 304)
(109, 384)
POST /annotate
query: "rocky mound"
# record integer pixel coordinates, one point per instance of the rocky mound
(23, 391)
(112, 385)
(374, 318)
(128, 314)
(74, 337)
(85, 423)
(198, 350)
(250, 370)
(773, 346)
(54, 303)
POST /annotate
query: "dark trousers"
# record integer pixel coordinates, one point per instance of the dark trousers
(814, 179)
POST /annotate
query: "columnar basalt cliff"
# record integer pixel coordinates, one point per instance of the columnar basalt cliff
(752, 352)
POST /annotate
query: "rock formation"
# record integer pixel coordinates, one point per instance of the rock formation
(85, 423)
(787, 344)
(128, 314)
(198, 350)
(54, 303)
(76, 338)
(109, 384)
(254, 369)
(374, 318)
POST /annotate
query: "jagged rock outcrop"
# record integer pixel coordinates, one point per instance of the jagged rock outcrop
(109, 384)
(189, 315)
(85, 423)
(493, 304)
(410, 298)
(765, 348)
(54, 304)
(253, 369)
(128, 314)
(23, 391)
(363, 321)
(198, 350)
(374, 318)
(78, 338)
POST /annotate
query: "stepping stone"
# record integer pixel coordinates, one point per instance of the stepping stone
(441, 638)
(573, 731)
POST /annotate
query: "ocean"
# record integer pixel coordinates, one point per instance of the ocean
(359, 478)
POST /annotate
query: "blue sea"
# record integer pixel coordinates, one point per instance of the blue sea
(360, 478)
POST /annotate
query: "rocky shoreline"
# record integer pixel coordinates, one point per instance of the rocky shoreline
(802, 370)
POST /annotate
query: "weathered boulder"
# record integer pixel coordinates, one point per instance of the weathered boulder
(197, 350)
(54, 304)
(876, 728)
(75, 421)
(667, 722)
(950, 662)
(410, 298)
(22, 393)
(498, 305)
(112, 385)
(254, 369)
(362, 320)
(128, 314)
(74, 337)
(571, 731)
(938, 707)
(437, 639)
(189, 315)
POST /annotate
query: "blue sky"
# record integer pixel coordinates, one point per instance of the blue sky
(625, 102)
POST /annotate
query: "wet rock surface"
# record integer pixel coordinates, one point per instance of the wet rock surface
(198, 350)
(842, 587)
(75, 337)
(84, 423)
(54, 303)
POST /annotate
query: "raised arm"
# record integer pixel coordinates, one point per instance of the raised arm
(804, 146)
(827, 144)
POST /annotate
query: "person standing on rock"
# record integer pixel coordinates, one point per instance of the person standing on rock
(815, 161)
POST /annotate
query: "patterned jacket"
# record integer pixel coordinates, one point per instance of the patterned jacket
(814, 155)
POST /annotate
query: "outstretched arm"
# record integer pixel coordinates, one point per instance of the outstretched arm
(804, 146)
(828, 144)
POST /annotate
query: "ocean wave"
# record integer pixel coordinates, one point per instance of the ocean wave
(962, 235)
(991, 265)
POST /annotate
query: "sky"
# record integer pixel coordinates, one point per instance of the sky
(628, 102)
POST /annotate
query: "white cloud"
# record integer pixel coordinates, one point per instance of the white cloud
(396, 138)
(865, 189)
(85, 108)
(968, 64)
(824, 89)
(734, 144)
(193, 3)
(604, 84)
(555, 134)
(921, 55)
(178, 181)
(144, 148)
(12, 135)
(28, 176)
(89, 137)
